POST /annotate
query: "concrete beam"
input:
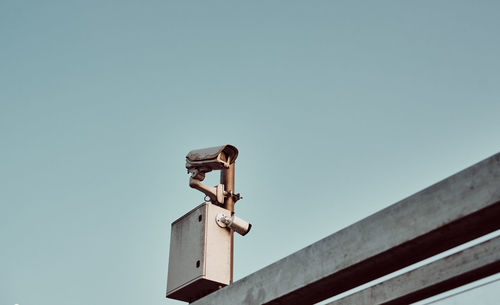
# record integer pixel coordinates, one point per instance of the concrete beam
(442, 275)
(446, 214)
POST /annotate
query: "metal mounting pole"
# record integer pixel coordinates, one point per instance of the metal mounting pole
(227, 179)
(202, 241)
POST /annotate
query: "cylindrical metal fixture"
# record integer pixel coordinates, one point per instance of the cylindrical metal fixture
(227, 179)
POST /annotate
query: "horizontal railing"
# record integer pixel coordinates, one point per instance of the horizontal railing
(451, 212)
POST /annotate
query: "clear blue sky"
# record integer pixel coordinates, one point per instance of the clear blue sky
(338, 108)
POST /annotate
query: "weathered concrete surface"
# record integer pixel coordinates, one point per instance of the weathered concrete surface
(445, 274)
(455, 210)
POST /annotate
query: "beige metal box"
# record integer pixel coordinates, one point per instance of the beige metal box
(200, 254)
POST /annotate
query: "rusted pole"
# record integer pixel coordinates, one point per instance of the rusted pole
(227, 179)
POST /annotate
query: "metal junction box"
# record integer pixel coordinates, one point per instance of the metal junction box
(200, 254)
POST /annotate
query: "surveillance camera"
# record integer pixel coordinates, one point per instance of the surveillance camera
(212, 158)
(201, 161)
(237, 224)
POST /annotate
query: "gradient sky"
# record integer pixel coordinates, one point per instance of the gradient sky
(338, 108)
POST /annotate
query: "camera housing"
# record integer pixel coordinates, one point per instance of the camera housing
(211, 158)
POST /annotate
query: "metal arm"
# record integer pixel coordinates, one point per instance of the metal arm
(216, 194)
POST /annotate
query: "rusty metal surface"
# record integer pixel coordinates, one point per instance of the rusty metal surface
(442, 275)
(446, 214)
(227, 179)
(211, 158)
(212, 152)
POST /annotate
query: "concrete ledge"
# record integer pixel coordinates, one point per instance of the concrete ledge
(446, 214)
(442, 275)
